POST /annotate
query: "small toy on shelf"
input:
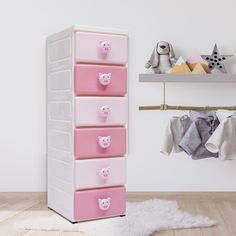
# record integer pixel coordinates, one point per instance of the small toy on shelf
(198, 69)
(162, 58)
(180, 67)
(216, 60)
(193, 62)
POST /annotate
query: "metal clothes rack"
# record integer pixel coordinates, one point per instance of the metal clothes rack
(163, 78)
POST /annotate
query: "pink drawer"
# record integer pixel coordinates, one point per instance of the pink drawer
(99, 142)
(99, 203)
(100, 80)
(97, 173)
(100, 111)
(100, 48)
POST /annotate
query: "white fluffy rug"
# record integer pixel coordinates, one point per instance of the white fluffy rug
(142, 219)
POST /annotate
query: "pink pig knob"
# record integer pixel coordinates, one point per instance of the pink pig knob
(105, 47)
(104, 203)
(105, 173)
(104, 141)
(104, 111)
(104, 79)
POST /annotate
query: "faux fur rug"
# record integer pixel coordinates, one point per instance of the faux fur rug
(142, 219)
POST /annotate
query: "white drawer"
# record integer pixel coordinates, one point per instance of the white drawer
(100, 111)
(95, 173)
(101, 48)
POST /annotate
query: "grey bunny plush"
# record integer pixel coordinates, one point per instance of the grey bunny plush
(162, 58)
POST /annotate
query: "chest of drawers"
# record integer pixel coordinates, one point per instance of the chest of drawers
(87, 114)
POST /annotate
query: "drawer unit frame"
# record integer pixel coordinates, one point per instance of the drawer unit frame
(60, 63)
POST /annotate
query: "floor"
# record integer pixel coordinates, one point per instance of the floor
(218, 206)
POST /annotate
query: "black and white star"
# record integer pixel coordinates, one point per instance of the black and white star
(215, 60)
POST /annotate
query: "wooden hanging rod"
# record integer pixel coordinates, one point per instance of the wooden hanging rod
(165, 107)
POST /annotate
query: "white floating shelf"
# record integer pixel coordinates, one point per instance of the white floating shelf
(188, 78)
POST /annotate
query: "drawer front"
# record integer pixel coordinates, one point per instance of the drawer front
(99, 173)
(100, 111)
(101, 48)
(100, 80)
(99, 142)
(99, 203)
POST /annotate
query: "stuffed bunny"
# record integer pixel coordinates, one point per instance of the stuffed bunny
(162, 58)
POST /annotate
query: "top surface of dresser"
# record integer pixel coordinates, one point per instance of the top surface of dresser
(98, 29)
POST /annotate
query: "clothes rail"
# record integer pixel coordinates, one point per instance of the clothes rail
(165, 107)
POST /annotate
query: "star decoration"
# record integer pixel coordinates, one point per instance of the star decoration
(215, 60)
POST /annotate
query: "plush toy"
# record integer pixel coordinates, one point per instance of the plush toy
(162, 58)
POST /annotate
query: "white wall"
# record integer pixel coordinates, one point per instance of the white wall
(187, 24)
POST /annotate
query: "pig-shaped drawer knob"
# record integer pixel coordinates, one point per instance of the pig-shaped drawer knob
(104, 111)
(104, 47)
(104, 79)
(104, 141)
(104, 203)
(105, 172)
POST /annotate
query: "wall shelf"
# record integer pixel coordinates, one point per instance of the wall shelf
(188, 78)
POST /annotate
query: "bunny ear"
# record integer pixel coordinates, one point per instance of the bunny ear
(154, 59)
(99, 137)
(99, 200)
(171, 51)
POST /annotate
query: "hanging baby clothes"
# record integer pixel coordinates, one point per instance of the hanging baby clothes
(195, 138)
(223, 140)
(224, 114)
(174, 131)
